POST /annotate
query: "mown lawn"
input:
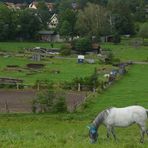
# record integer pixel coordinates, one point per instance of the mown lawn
(69, 130)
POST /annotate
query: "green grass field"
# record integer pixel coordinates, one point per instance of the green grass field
(69, 130)
(20, 46)
(69, 69)
(127, 52)
(124, 51)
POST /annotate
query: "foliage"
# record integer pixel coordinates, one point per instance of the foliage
(7, 23)
(60, 105)
(43, 13)
(65, 50)
(93, 21)
(18, 24)
(137, 8)
(29, 24)
(50, 101)
(67, 23)
(121, 19)
(143, 32)
(83, 44)
(116, 38)
(89, 83)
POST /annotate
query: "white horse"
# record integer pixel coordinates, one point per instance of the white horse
(119, 117)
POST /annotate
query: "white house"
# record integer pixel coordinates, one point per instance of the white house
(53, 22)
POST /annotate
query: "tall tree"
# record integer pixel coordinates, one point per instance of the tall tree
(29, 24)
(43, 13)
(120, 17)
(67, 23)
(93, 21)
(8, 19)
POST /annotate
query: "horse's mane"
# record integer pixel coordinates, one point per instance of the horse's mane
(100, 117)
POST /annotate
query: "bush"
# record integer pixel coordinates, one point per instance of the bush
(116, 38)
(89, 83)
(49, 101)
(43, 84)
(83, 44)
(65, 50)
(60, 105)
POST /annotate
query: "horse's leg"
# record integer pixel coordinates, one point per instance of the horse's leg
(113, 133)
(143, 131)
(108, 131)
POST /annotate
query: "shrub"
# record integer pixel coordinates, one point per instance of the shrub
(44, 84)
(116, 38)
(49, 101)
(65, 50)
(60, 105)
(87, 83)
(83, 44)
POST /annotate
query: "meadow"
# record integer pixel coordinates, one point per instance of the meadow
(68, 68)
(69, 130)
(20, 46)
(127, 52)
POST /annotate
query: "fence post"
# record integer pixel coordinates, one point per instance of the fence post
(79, 87)
(6, 107)
(17, 86)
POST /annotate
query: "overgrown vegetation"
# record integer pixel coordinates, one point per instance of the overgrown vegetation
(49, 100)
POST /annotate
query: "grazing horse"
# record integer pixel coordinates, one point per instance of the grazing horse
(119, 117)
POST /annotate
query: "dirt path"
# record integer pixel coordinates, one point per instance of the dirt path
(140, 62)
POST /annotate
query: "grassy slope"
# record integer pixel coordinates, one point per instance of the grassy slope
(131, 89)
(64, 131)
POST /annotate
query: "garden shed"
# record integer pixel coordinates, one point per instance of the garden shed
(50, 36)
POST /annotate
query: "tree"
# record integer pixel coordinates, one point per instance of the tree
(29, 24)
(92, 21)
(43, 13)
(8, 23)
(67, 23)
(83, 44)
(137, 8)
(143, 32)
(120, 17)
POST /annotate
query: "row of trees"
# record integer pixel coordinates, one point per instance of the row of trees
(24, 23)
(80, 18)
(101, 18)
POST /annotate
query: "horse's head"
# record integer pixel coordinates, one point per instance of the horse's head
(93, 135)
